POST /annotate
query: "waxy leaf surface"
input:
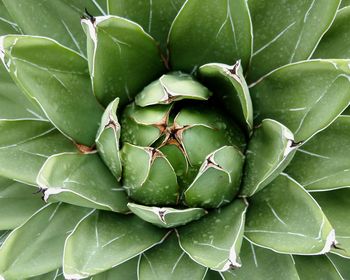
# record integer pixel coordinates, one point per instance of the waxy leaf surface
(306, 97)
(104, 240)
(58, 80)
(287, 31)
(274, 220)
(36, 247)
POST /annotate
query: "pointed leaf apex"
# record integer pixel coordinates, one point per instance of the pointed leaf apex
(330, 242)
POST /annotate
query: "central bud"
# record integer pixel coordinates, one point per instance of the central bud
(174, 153)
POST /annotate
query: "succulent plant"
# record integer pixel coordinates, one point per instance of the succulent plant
(173, 139)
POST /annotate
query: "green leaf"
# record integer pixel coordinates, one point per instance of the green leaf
(218, 180)
(83, 180)
(323, 162)
(316, 267)
(336, 205)
(165, 216)
(260, 263)
(122, 58)
(230, 88)
(154, 16)
(53, 275)
(283, 217)
(206, 31)
(269, 151)
(148, 176)
(35, 64)
(107, 139)
(17, 203)
(172, 87)
(342, 265)
(168, 261)
(287, 31)
(25, 145)
(215, 240)
(36, 247)
(13, 103)
(301, 95)
(336, 42)
(103, 240)
(213, 275)
(345, 3)
(57, 19)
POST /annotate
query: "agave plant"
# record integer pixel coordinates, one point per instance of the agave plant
(173, 139)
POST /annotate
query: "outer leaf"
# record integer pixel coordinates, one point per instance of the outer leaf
(122, 58)
(83, 180)
(227, 37)
(269, 151)
(165, 216)
(345, 3)
(154, 16)
(107, 139)
(316, 267)
(25, 145)
(287, 31)
(35, 64)
(259, 263)
(341, 264)
(58, 19)
(336, 206)
(168, 261)
(17, 203)
(323, 162)
(104, 240)
(13, 103)
(336, 42)
(230, 88)
(301, 95)
(215, 240)
(36, 247)
(274, 220)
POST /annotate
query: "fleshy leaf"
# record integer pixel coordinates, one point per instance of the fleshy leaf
(36, 247)
(269, 151)
(287, 31)
(107, 139)
(227, 37)
(165, 216)
(336, 42)
(3, 235)
(168, 261)
(17, 203)
(218, 180)
(40, 66)
(148, 176)
(342, 265)
(58, 19)
(274, 220)
(323, 163)
(336, 205)
(172, 87)
(104, 240)
(13, 103)
(301, 95)
(154, 16)
(230, 88)
(83, 180)
(215, 240)
(345, 3)
(316, 267)
(122, 58)
(56, 274)
(25, 145)
(260, 263)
